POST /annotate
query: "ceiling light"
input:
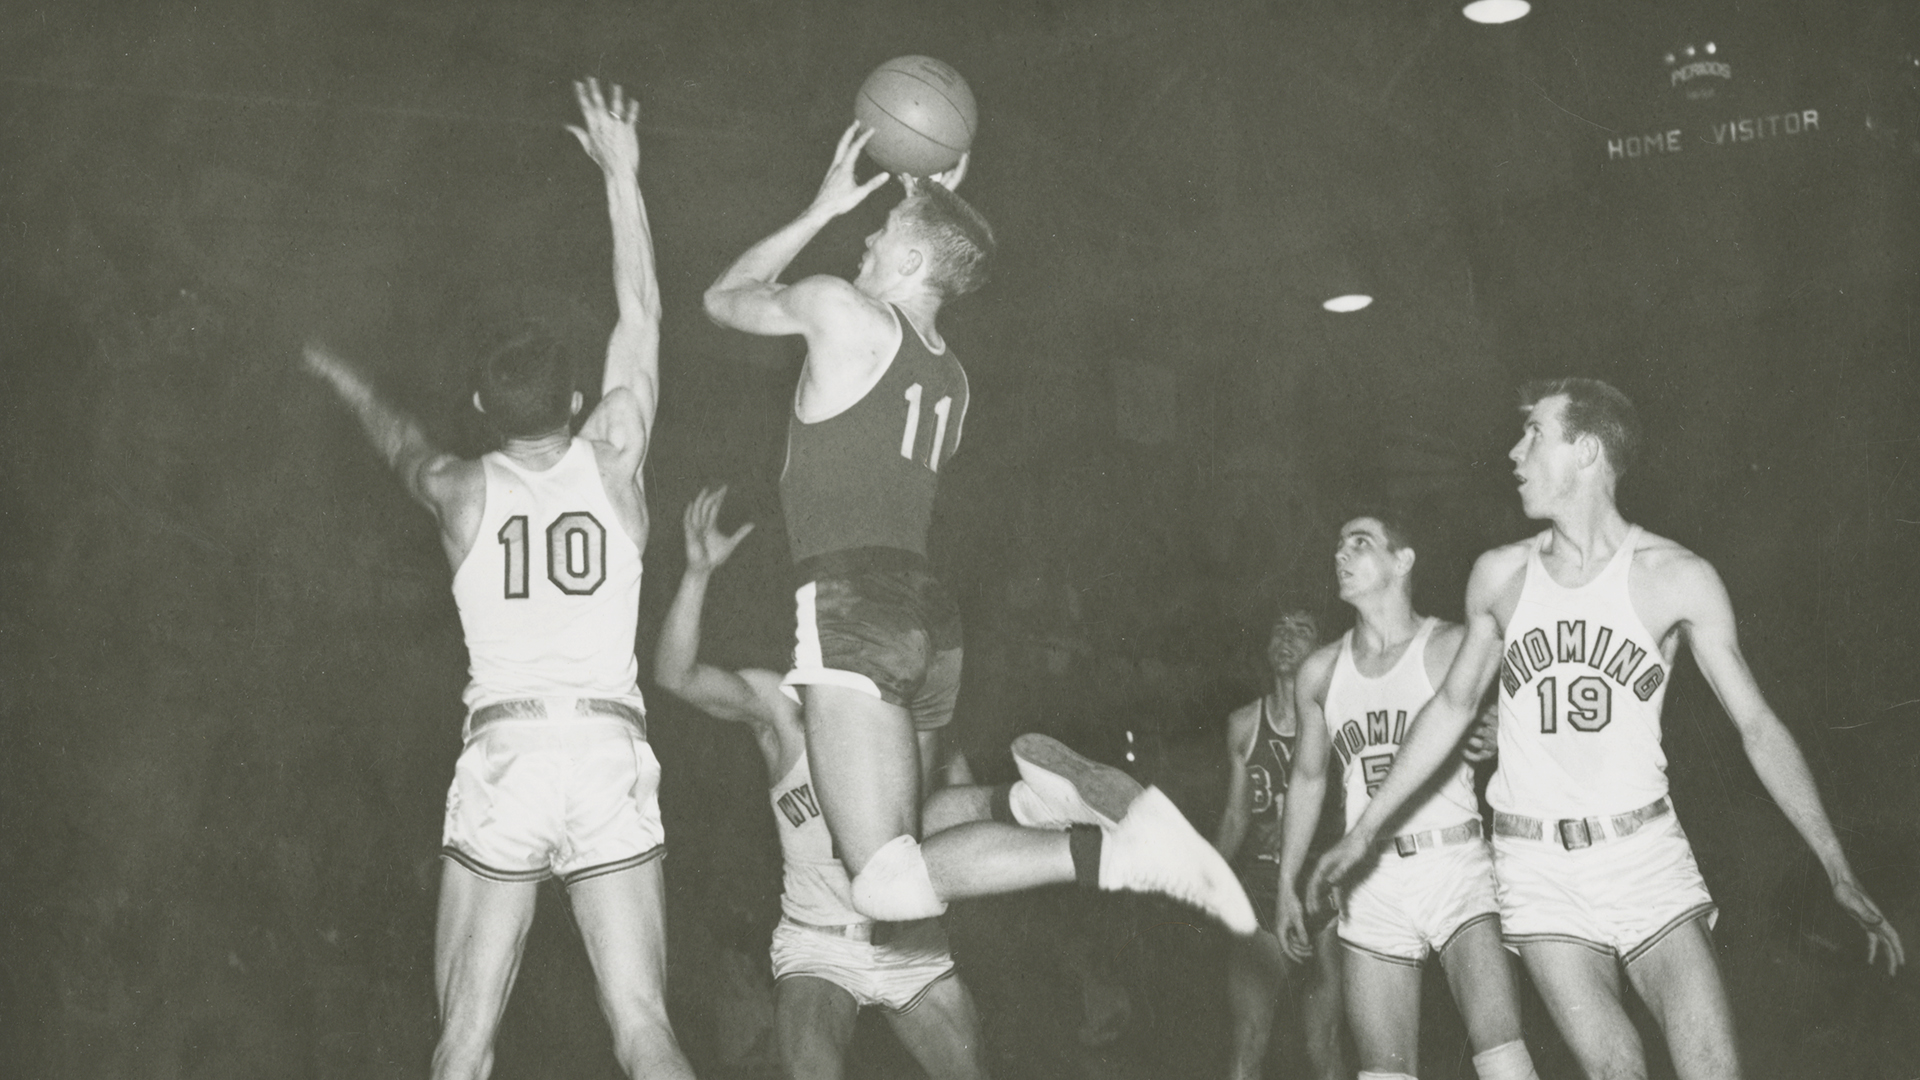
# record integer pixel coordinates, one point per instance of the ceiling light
(1348, 302)
(1492, 12)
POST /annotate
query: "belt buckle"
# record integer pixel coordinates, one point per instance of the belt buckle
(1407, 845)
(1575, 834)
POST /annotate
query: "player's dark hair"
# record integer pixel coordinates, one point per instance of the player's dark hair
(526, 384)
(1399, 526)
(960, 242)
(1593, 408)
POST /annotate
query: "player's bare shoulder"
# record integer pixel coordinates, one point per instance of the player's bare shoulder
(1442, 646)
(1672, 586)
(1316, 672)
(1240, 724)
(1497, 578)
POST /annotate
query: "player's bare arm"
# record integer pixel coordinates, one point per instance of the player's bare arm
(1705, 614)
(622, 423)
(448, 486)
(1306, 794)
(749, 296)
(723, 694)
(1492, 591)
(1238, 810)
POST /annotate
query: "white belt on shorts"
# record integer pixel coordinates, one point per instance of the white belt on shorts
(556, 709)
(860, 931)
(1576, 833)
(1414, 843)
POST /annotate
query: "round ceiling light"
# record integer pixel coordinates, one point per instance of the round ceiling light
(1493, 12)
(1348, 302)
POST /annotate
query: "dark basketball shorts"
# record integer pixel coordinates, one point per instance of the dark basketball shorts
(874, 620)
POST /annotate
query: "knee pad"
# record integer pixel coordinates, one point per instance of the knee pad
(895, 886)
(1508, 1061)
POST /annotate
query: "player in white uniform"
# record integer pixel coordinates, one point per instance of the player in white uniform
(1430, 888)
(1581, 624)
(545, 536)
(827, 960)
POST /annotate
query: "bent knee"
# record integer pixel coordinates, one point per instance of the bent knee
(895, 885)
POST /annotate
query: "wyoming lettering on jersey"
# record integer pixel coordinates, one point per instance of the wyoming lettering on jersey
(1533, 654)
(1582, 681)
(798, 805)
(1351, 737)
(1368, 717)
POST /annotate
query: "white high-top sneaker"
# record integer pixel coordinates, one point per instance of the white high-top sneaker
(1061, 788)
(1147, 845)
(1154, 849)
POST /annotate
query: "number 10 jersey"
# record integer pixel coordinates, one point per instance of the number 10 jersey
(1581, 683)
(550, 594)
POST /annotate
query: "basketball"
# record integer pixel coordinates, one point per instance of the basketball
(921, 112)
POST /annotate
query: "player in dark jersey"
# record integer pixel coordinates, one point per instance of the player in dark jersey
(1260, 740)
(879, 410)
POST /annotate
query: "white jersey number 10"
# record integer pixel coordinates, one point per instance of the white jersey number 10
(576, 554)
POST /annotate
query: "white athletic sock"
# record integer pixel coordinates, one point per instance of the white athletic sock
(1365, 1075)
(1029, 810)
(1508, 1061)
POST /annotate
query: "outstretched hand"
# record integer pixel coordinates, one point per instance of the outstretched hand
(707, 547)
(949, 179)
(839, 191)
(1881, 936)
(607, 134)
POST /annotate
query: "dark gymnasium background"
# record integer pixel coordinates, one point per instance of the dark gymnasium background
(228, 699)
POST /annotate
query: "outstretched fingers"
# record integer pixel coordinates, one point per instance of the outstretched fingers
(1883, 941)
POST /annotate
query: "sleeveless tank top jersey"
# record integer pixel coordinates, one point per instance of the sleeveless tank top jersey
(550, 594)
(866, 476)
(1581, 684)
(1269, 765)
(1368, 719)
(814, 887)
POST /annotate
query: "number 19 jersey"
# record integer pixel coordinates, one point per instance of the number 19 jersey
(1581, 684)
(550, 594)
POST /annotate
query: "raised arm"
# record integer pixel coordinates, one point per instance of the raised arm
(748, 295)
(630, 388)
(1238, 810)
(676, 660)
(428, 472)
(1776, 757)
(1306, 794)
(1436, 732)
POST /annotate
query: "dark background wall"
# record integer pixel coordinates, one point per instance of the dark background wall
(228, 699)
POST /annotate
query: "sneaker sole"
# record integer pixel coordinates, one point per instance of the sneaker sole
(1107, 790)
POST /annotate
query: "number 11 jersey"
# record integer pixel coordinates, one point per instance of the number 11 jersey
(1581, 683)
(865, 477)
(550, 594)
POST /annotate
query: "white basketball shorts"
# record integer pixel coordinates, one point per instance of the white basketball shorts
(571, 798)
(1619, 896)
(894, 976)
(1409, 907)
